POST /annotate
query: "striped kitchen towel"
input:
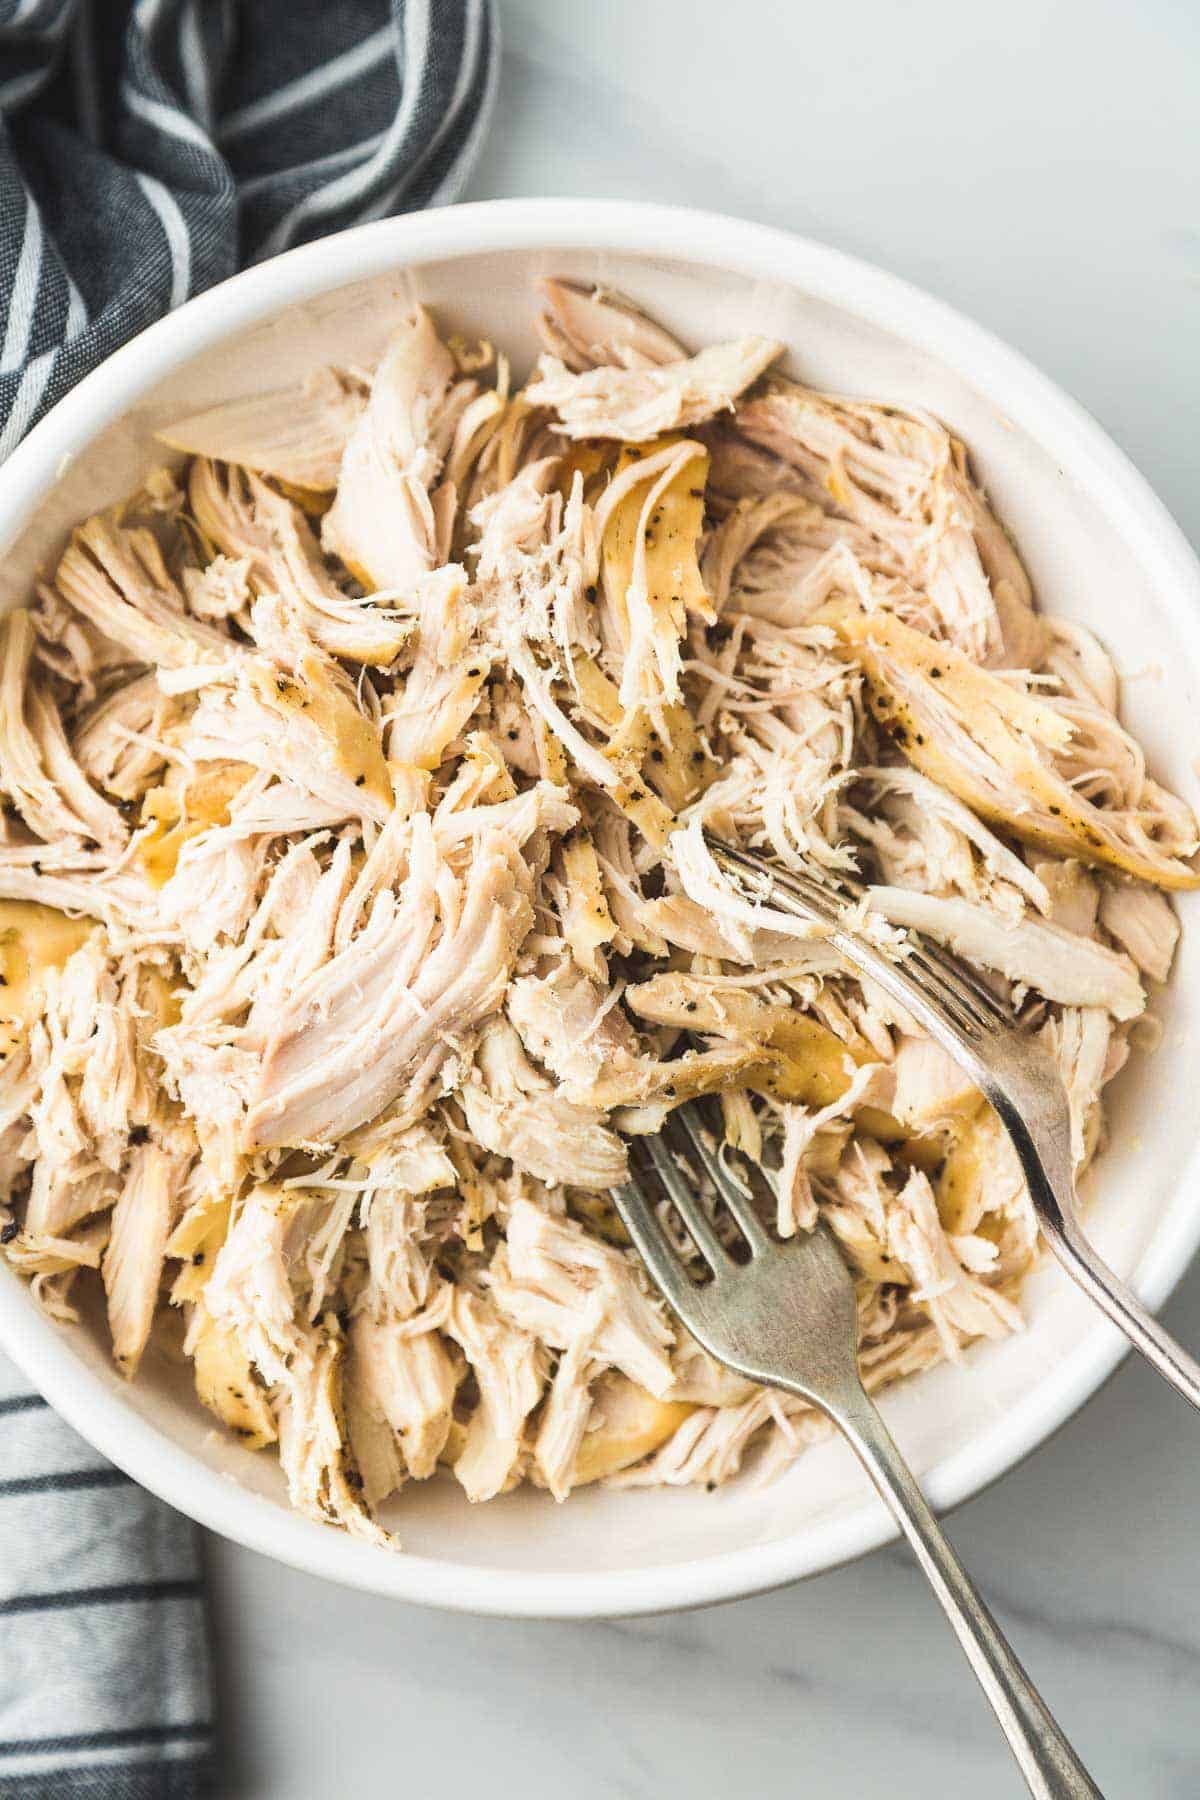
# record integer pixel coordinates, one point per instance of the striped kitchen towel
(105, 1688)
(146, 151)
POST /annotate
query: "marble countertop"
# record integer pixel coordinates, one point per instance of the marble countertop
(1037, 167)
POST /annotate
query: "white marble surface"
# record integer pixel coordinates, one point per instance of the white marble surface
(1036, 165)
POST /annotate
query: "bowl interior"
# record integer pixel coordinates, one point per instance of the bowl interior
(959, 1425)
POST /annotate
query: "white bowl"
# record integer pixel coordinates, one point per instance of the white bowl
(1100, 547)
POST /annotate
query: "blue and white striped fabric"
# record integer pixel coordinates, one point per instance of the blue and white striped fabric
(105, 1687)
(147, 151)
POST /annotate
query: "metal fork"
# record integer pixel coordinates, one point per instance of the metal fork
(787, 1317)
(1011, 1069)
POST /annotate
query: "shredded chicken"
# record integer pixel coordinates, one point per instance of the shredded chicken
(355, 907)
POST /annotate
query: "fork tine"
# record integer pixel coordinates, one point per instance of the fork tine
(930, 980)
(688, 1205)
(739, 1203)
(941, 977)
(654, 1246)
(957, 990)
(812, 897)
(963, 976)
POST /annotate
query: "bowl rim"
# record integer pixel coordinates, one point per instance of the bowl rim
(1029, 398)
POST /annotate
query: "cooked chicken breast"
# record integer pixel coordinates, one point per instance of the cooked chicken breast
(356, 909)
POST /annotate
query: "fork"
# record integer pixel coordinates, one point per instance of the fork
(786, 1316)
(1011, 1068)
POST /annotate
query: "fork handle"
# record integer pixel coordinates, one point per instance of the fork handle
(1111, 1295)
(1051, 1768)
